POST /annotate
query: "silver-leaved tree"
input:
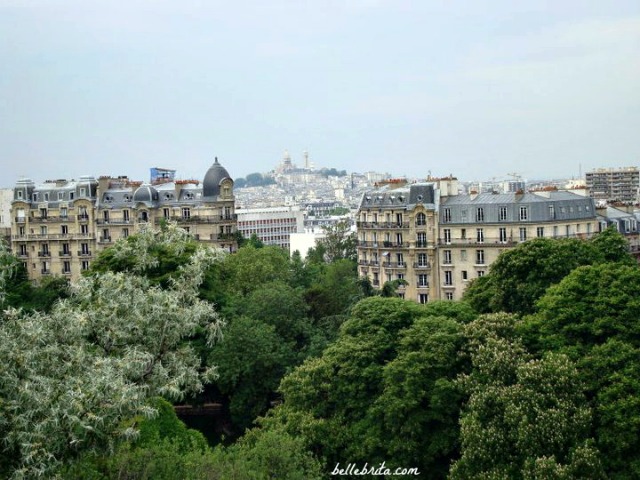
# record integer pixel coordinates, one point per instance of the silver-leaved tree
(73, 380)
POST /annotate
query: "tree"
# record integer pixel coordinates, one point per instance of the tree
(525, 418)
(73, 376)
(383, 391)
(519, 277)
(339, 242)
(592, 316)
(252, 359)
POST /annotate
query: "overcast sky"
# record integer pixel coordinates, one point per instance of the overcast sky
(479, 89)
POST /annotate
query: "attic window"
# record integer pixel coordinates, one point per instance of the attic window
(401, 198)
(127, 198)
(419, 198)
(168, 196)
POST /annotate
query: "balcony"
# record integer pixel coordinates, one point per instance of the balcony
(44, 271)
(394, 265)
(422, 266)
(83, 217)
(50, 219)
(64, 254)
(485, 242)
(104, 240)
(381, 225)
(422, 244)
(44, 254)
(86, 253)
(114, 221)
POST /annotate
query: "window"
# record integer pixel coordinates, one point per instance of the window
(502, 213)
(400, 259)
(64, 229)
(422, 240)
(448, 277)
(23, 250)
(480, 235)
(65, 249)
(66, 266)
(479, 257)
(43, 213)
(463, 233)
(463, 255)
(422, 260)
(21, 231)
(480, 214)
(46, 197)
(43, 230)
(63, 212)
(186, 213)
(503, 235)
(125, 232)
(125, 215)
(480, 273)
(540, 232)
(446, 257)
(555, 231)
(84, 229)
(85, 265)
(568, 230)
(105, 235)
(105, 215)
(376, 280)
(82, 213)
(465, 276)
(447, 236)
(60, 195)
(552, 212)
(423, 280)
(399, 239)
(523, 234)
(421, 219)
(84, 248)
(144, 216)
(399, 218)
(449, 295)
(523, 213)
(423, 298)
(19, 194)
(71, 195)
(83, 191)
(446, 215)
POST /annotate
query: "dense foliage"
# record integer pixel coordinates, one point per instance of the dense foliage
(535, 376)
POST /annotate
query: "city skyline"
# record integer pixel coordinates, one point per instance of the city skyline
(406, 87)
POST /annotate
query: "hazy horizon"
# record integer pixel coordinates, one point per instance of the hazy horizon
(479, 91)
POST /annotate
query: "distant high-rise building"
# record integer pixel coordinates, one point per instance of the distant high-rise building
(614, 185)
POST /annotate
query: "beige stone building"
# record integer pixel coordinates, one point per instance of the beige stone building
(60, 226)
(437, 240)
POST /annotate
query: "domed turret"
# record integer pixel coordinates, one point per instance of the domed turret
(213, 179)
(145, 193)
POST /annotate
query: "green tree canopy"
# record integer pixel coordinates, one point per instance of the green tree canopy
(71, 377)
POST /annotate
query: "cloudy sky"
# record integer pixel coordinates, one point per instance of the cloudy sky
(476, 88)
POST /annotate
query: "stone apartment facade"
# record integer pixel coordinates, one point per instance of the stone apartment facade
(60, 226)
(437, 240)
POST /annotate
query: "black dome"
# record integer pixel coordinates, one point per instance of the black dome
(212, 179)
(145, 193)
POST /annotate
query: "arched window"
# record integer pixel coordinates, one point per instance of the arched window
(421, 219)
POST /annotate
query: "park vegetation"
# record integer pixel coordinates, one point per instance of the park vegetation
(534, 375)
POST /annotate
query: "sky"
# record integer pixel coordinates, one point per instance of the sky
(477, 89)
